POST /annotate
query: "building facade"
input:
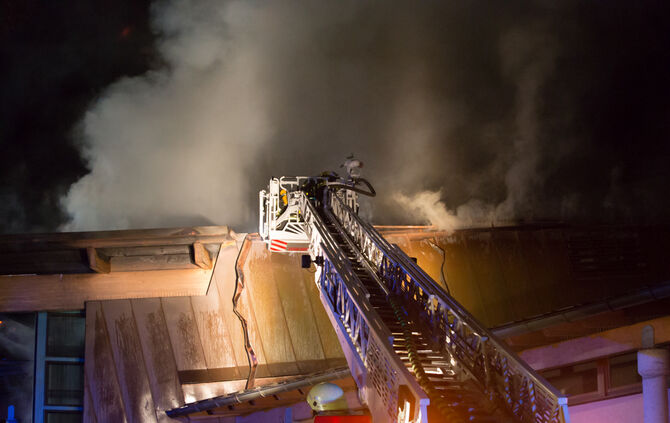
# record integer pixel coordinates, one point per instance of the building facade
(127, 325)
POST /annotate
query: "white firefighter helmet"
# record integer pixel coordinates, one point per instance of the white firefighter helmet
(353, 167)
(326, 397)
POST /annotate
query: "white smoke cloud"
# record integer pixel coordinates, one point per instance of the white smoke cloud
(427, 206)
(249, 90)
(174, 145)
(527, 59)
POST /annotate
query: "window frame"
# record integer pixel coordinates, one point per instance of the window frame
(71, 361)
(604, 391)
(41, 360)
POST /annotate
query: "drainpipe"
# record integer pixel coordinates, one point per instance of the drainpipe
(653, 364)
(645, 295)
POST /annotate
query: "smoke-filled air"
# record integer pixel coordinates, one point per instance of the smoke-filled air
(464, 114)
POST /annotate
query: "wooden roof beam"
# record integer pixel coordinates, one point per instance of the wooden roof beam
(70, 291)
(111, 239)
(201, 256)
(97, 262)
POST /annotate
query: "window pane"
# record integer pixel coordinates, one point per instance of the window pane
(17, 366)
(573, 380)
(63, 417)
(65, 384)
(623, 370)
(65, 334)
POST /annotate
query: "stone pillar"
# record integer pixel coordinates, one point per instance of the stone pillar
(653, 365)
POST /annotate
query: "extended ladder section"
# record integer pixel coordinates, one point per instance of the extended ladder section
(415, 353)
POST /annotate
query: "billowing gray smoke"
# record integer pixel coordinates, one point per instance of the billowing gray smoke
(455, 106)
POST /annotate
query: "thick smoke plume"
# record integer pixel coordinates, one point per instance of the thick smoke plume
(526, 59)
(473, 108)
(427, 205)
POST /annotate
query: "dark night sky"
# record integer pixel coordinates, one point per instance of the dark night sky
(57, 57)
(606, 102)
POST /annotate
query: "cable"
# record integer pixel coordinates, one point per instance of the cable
(444, 260)
(239, 286)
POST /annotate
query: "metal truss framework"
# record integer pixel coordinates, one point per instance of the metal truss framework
(475, 353)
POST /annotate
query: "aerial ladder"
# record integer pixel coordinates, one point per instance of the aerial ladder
(415, 353)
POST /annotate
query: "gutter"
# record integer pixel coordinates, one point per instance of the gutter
(573, 313)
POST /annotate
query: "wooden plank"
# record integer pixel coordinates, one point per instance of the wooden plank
(201, 256)
(97, 262)
(520, 286)
(199, 391)
(119, 238)
(460, 274)
(488, 277)
(104, 260)
(89, 409)
(75, 255)
(69, 292)
(213, 331)
(99, 368)
(546, 256)
(160, 262)
(268, 311)
(130, 369)
(183, 330)
(211, 375)
(157, 352)
(297, 309)
(157, 250)
(44, 262)
(224, 274)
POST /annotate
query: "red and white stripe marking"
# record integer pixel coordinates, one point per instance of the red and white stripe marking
(278, 245)
(281, 246)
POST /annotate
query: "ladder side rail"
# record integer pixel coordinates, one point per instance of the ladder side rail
(527, 394)
(381, 251)
(262, 215)
(371, 246)
(369, 266)
(347, 304)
